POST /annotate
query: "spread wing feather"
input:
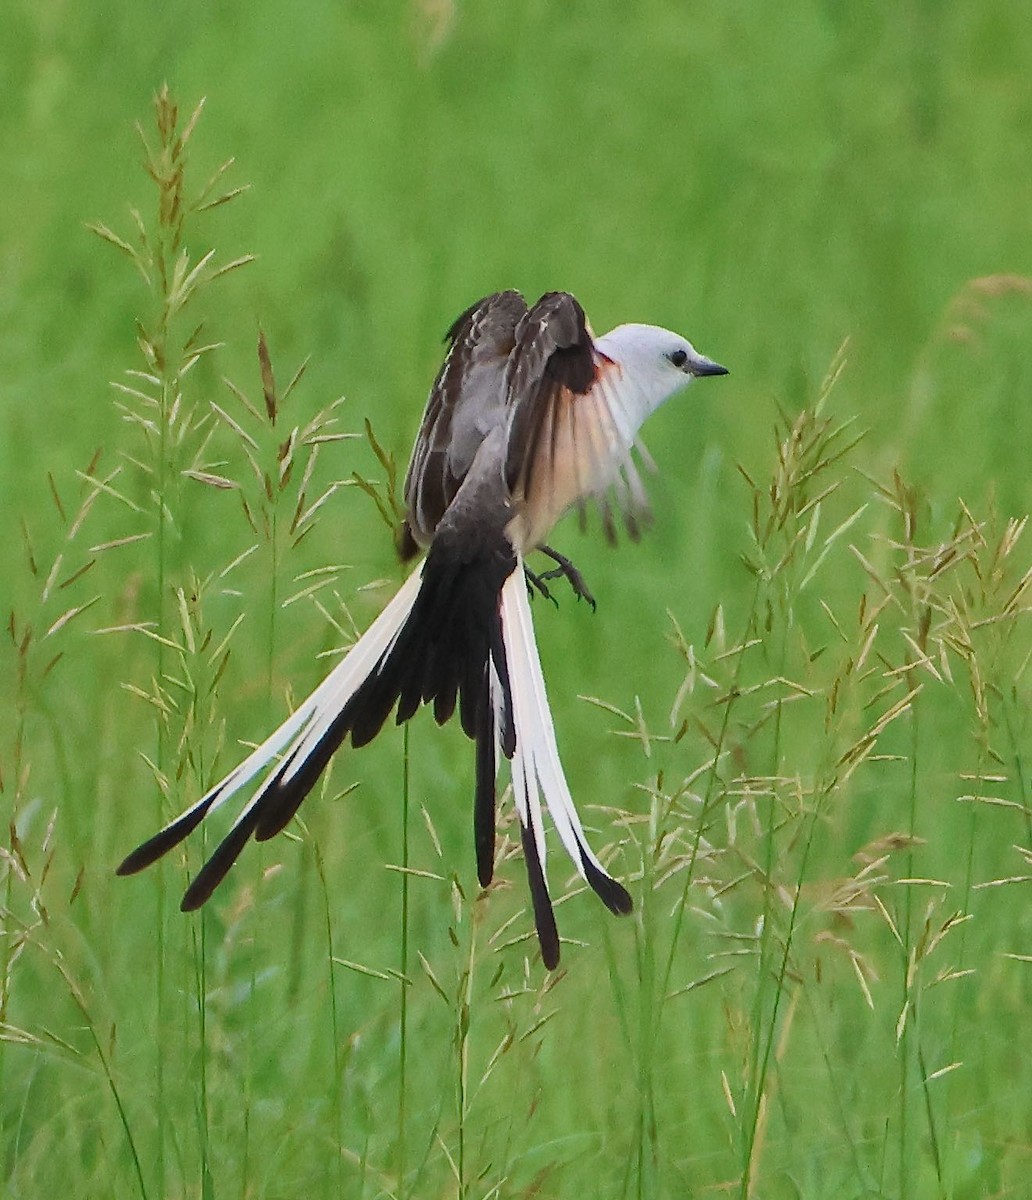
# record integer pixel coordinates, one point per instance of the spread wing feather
(553, 354)
(466, 401)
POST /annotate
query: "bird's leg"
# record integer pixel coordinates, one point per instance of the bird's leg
(566, 568)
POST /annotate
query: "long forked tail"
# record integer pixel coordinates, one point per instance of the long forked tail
(538, 773)
(458, 634)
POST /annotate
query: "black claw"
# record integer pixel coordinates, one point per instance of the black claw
(564, 569)
(536, 584)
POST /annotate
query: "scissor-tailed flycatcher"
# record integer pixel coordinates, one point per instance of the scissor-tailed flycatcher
(529, 416)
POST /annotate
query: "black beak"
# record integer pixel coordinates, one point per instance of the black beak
(701, 365)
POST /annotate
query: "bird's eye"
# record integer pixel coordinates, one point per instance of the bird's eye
(678, 357)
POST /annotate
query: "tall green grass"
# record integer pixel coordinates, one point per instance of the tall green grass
(805, 743)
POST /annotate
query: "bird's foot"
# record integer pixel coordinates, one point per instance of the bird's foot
(564, 569)
(536, 584)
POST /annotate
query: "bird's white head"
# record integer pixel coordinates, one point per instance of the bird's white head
(654, 363)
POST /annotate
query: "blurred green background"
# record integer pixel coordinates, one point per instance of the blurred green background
(769, 182)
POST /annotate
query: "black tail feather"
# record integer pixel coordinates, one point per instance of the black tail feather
(441, 655)
(544, 917)
(216, 868)
(612, 894)
(484, 798)
(164, 840)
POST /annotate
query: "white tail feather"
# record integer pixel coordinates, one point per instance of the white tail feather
(536, 768)
(300, 732)
(338, 687)
(356, 666)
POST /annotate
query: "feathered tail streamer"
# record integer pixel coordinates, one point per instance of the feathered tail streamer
(312, 714)
(537, 773)
(458, 634)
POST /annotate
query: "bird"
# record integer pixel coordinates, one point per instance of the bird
(530, 415)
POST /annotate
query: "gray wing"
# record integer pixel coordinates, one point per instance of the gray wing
(466, 402)
(568, 436)
(552, 361)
